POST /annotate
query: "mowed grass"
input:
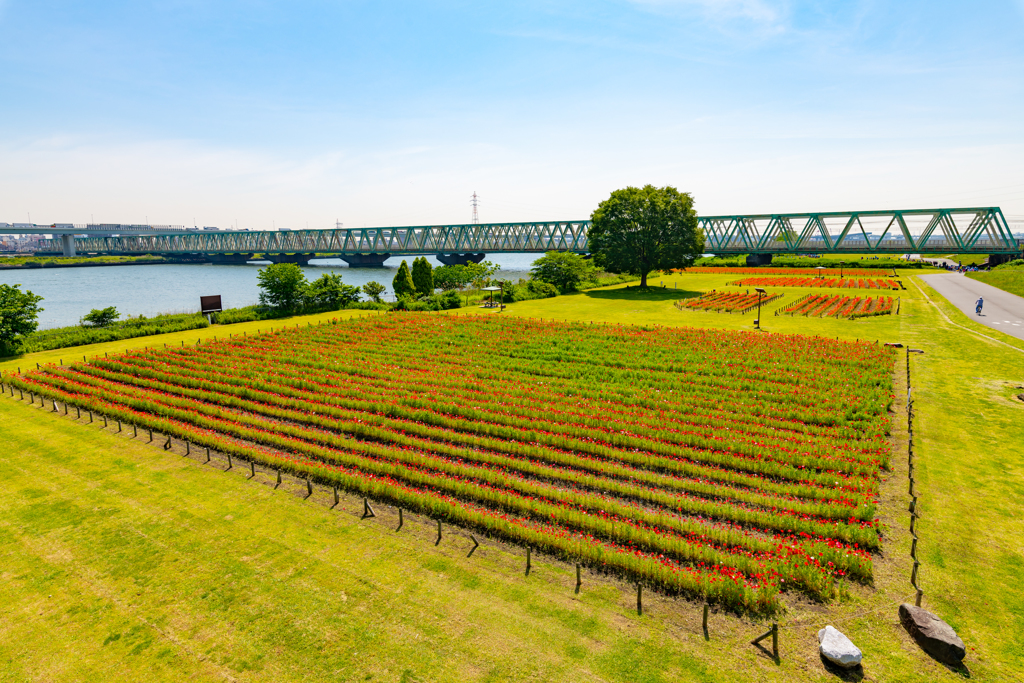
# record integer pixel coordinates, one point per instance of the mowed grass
(124, 562)
(1010, 280)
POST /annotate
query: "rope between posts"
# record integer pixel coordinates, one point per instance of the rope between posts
(803, 623)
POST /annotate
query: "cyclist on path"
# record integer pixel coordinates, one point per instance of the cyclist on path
(981, 302)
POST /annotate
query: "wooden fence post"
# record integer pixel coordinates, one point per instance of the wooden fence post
(252, 469)
(207, 454)
(336, 499)
(367, 510)
(400, 520)
(579, 579)
(639, 599)
(309, 487)
(278, 478)
(188, 449)
(167, 444)
(104, 421)
(705, 622)
(476, 544)
(774, 633)
(527, 560)
(230, 464)
(438, 541)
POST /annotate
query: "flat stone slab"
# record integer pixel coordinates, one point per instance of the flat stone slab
(837, 648)
(935, 636)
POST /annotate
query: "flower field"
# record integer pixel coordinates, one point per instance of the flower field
(761, 270)
(829, 282)
(723, 465)
(835, 305)
(729, 302)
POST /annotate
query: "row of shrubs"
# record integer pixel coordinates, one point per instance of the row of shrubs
(78, 335)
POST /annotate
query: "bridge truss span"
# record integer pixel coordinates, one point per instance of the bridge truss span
(976, 230)
(961, 231)
(492, 237)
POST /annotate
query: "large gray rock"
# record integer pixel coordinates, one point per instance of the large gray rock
(935, 636)
(837, 648)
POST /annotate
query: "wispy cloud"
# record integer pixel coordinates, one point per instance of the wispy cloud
(760, 14)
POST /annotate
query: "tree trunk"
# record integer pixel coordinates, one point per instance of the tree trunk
(643, 279)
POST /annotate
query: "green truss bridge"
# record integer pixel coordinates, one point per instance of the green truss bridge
(961, 231)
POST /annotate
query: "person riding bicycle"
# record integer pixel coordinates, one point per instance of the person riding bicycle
(981, 302)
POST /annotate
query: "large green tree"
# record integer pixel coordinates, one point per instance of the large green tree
(638, 230)
(19, 313)
(403, 284)
(423, 276)
(282, 286)
(563, 269)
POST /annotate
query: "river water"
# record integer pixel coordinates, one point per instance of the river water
(70, 293)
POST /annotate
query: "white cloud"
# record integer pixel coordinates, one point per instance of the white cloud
(762, 14)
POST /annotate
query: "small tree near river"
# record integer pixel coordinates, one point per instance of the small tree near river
(19, 313)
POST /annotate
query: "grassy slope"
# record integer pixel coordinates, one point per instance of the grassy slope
(122, 561)
(1009, 280)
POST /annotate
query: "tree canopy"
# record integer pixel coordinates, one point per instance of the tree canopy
(638, 230)
(403, 284)
(373, 290)
(328, 291)
(101, 317)
(563, 269)
(282, 286)
(459, 276)
(19, 313)
(423, 276)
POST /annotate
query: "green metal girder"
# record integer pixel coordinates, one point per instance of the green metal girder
(984, 231)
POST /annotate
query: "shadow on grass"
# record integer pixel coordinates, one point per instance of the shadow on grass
(852, 675)
(642, 294)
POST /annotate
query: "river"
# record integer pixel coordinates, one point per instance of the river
(70, 293)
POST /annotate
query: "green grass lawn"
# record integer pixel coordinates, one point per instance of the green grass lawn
(965, 259)
(1010, 280)
(121, 561)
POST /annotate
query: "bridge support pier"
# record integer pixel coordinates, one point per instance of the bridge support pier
(67, 242)
(759, 259)
(997, 259)
(460, 259)
(229, 259)
(301, 259)
(373, 260)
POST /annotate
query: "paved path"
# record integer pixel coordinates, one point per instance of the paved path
(1002, 311)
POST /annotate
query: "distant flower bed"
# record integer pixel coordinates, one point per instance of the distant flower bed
(835, 305)
(873, 272)
(725, 302)
(832, 282)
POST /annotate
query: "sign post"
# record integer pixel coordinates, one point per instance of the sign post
(208, 305)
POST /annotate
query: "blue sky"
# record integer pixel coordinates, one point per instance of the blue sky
(293, 113)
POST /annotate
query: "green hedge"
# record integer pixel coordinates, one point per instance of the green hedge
(78, 335)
